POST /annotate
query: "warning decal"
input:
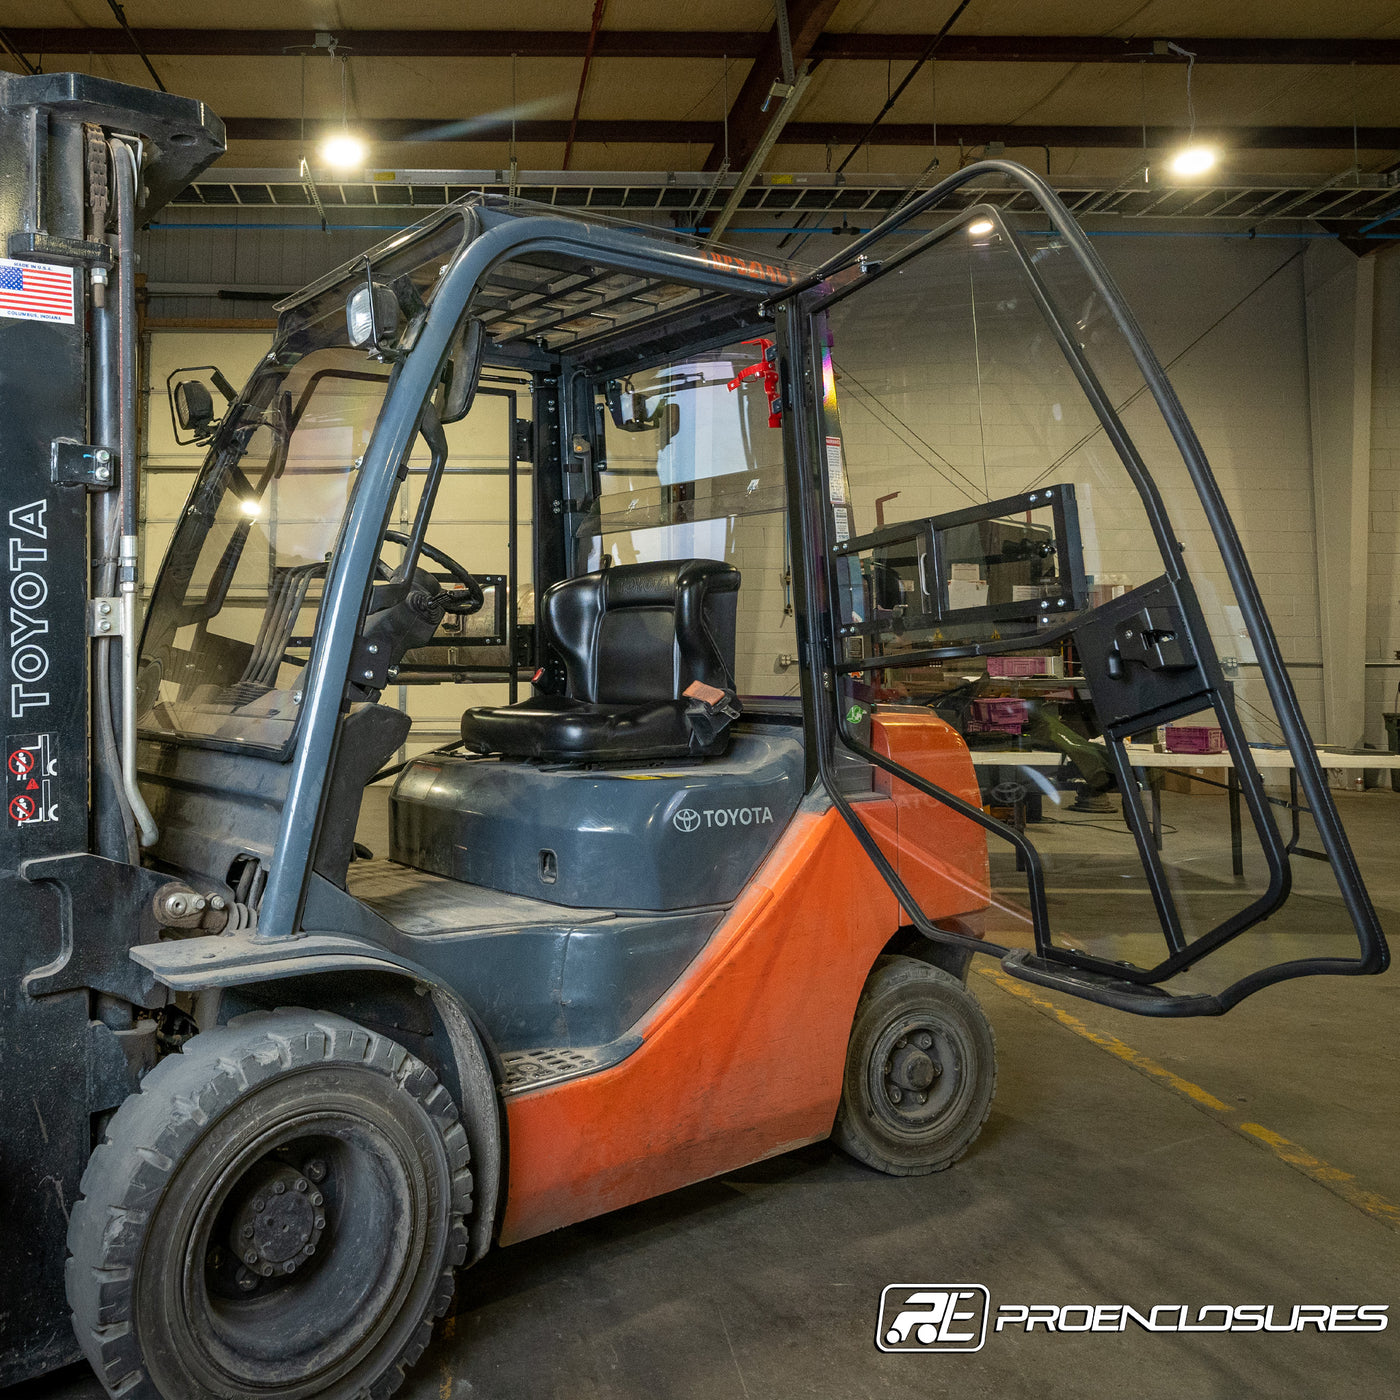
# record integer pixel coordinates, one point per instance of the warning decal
(835, 472)
(31, 766)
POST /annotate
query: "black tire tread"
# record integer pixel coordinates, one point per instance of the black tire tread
(152, 1130)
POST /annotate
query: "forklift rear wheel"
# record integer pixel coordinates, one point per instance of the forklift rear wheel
(920, 1070)
(277, 1213)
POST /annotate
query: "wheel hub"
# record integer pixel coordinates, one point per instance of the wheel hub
(911, 1068)
(279, 1224)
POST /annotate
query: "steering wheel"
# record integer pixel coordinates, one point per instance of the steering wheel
(460, 604)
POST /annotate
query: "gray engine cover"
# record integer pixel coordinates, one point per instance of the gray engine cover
(660, 836)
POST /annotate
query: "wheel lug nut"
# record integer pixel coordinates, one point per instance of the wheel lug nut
(279, 1188)
(309, 1250)
(259, 1204)
(266, 1271)
(301, 1183)
(251, 1257)
(247, 1232)
(316, 1198)
(290, 1267)
(320, 1222)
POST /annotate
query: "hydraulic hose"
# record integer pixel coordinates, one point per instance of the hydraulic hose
(114, 828)
(124, 170)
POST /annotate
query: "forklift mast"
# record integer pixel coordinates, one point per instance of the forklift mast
(67, 478)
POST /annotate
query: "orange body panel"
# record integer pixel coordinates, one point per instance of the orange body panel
(743, 1057)
(942, 856)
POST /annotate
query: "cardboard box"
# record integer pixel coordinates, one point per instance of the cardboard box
(1188, 780)
(967, 593)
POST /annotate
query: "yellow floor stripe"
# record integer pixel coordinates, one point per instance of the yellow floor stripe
(1340, 1183)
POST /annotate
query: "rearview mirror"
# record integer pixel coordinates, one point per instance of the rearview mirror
(628, 411)
(458, 387)
(190, 391)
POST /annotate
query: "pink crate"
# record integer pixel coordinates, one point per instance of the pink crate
(1008, 667)
(1194, 738)
(997, 717)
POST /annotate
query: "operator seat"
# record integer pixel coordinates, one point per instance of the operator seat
(632, 638)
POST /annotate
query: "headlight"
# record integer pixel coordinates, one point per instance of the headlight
(371, 322)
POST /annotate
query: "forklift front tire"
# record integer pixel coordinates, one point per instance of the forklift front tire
(276, 1213)
(920, 1070)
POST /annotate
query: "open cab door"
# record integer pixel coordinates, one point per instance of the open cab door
(1009, 521)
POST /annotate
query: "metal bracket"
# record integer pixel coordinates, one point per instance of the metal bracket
(524, 440)
(105, 617)
(369, 666)
(73, 463)
(52, 247)
(1155, 637)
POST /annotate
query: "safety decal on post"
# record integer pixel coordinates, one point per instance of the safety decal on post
(835, 472)
(31, 291)
(31, 765)
(842, 521)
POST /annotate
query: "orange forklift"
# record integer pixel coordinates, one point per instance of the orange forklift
(644, 921)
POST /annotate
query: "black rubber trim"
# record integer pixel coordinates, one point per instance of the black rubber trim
(1109, 991)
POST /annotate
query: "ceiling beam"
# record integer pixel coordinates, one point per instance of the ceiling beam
(622, 43)
(949, 133)
(748, 119)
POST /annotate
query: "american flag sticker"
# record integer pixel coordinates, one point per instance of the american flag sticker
(36, 291)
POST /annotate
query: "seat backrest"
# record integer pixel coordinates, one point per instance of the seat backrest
(639, 632)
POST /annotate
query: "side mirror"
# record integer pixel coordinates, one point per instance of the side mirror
(628, 412)
(458, 388)
(190, 392)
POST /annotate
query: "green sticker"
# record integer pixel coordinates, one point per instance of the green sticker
(855, 714)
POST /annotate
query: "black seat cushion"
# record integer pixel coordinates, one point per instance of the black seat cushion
(556, 727)
(632, 638)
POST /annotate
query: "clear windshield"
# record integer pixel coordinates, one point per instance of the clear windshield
(230, 625)
(694, 469)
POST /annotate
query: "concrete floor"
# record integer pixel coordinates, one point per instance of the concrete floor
(1095, 1181)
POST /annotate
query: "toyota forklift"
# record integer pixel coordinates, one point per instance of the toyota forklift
(644, 921)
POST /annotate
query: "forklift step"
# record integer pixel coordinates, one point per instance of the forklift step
(532, 1069)
(1117, 992)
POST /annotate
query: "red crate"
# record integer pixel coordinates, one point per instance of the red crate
(1005, 716)
(1008, 667)
(1194, 738)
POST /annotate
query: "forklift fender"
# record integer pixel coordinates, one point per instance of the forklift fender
(220, 961)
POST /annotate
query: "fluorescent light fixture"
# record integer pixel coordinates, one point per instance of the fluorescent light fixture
(1193, 160)
(980, 227)
(343, 151)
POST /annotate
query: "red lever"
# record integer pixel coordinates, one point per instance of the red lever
(769, 371)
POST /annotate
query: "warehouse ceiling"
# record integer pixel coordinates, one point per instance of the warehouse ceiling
(1298, 98)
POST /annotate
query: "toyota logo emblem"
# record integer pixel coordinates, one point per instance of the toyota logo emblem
(686, 819)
